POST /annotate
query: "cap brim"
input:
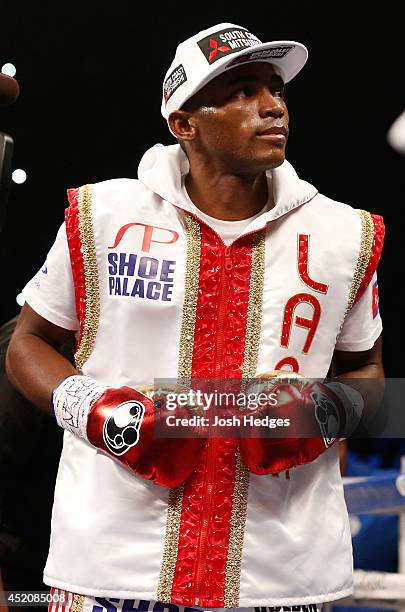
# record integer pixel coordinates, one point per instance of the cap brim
(288, 55)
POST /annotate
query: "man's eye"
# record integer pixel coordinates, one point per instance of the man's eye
(243, 91)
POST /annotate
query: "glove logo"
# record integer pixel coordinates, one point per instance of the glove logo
(327, 416)
(121, 428)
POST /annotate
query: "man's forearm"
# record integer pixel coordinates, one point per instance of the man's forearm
(35, 368)
(364, 371)
(369, 381)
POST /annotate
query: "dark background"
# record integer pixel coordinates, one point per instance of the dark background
(90, 77)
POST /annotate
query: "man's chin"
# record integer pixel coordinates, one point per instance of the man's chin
(275, 160)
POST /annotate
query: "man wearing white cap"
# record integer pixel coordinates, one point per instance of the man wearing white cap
(217, 263)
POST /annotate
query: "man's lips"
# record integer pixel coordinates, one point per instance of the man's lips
(274, 134)
(276, 130)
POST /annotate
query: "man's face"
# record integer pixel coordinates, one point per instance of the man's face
(242, 118)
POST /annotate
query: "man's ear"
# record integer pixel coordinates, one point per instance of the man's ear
(183, 125)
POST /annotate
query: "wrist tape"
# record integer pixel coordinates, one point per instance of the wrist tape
(72, 400)
(353, 404)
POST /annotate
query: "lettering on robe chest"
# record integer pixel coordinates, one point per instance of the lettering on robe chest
(292, 312)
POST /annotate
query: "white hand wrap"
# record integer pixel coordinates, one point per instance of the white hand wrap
(72, 400)
(353, 403)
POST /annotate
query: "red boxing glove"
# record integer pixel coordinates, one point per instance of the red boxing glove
(314, 416)
(122, 423)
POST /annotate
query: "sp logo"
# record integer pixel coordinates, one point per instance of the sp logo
(121, 428)
(166, 236)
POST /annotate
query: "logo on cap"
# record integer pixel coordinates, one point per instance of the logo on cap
(275, 52)
(226, 42)
(176, 78)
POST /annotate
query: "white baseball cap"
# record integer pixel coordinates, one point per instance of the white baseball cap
(211, 52)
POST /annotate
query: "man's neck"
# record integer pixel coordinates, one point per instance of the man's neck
(227, 197)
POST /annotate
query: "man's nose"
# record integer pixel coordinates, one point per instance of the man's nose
(271, 105)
